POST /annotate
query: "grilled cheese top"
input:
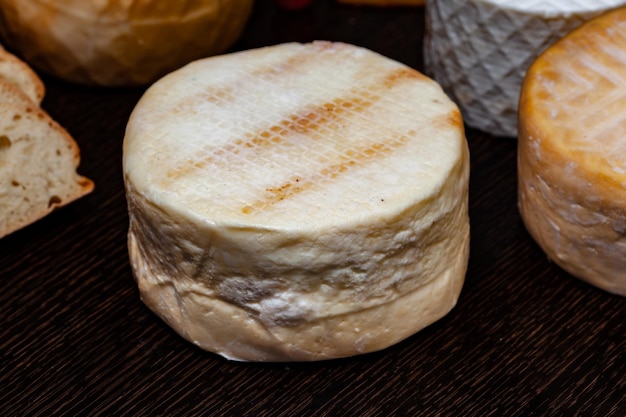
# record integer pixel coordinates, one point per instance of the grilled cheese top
(264, 138)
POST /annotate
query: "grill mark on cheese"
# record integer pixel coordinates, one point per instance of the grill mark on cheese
(350, 159)
(289, 65)
(454, 119)
(304, 123)
(402, 74)
(227, 93)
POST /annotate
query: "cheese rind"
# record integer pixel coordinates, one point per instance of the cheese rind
(297, 202)
(479, 50)
(572, 169)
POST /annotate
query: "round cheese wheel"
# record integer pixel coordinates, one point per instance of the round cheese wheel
(119, 42)
(479, 50)
(384, 3)
(572, 152)
(297, 202)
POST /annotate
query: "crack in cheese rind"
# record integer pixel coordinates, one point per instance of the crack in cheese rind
(572, 168)
(320, 212)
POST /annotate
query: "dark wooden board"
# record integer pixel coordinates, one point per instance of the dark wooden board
(525, 339)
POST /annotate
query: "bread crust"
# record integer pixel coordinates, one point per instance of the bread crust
(18, 73)
(12, 93)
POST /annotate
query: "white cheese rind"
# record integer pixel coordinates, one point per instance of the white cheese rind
(572, 142)
(365, 245)
(479, 50)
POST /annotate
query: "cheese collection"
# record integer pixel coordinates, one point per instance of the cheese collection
(297, 202)
(119, 43)
(305, 202)
(572, 152)
(479, 50)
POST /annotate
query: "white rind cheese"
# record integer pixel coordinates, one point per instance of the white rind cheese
(572, 152)
(297, 202)
(479, 50)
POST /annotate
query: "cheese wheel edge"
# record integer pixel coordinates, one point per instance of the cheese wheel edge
(573, 206)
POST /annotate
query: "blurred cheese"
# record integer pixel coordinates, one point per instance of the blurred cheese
(385, 2)
(297, 202)
(115, 42)
(572, 152)
(479, 50)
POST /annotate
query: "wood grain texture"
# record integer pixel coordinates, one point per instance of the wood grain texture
(525, 339)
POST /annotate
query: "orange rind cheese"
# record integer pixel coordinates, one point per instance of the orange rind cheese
(572, 152)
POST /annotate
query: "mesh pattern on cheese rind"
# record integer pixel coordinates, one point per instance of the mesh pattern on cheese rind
(309, 151)
(355, 133)
(479, 51)
(585, 86)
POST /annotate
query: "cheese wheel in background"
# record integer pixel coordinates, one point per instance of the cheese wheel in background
(297, 202)
(384, 3)
(572, 152)
(479, 50)
(115, 43)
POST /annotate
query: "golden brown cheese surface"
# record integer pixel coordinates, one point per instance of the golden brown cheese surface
(358, 142)
(575, 98)
(572, 152)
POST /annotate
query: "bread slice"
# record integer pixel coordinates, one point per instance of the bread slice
(17, 72)
(38, 161)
